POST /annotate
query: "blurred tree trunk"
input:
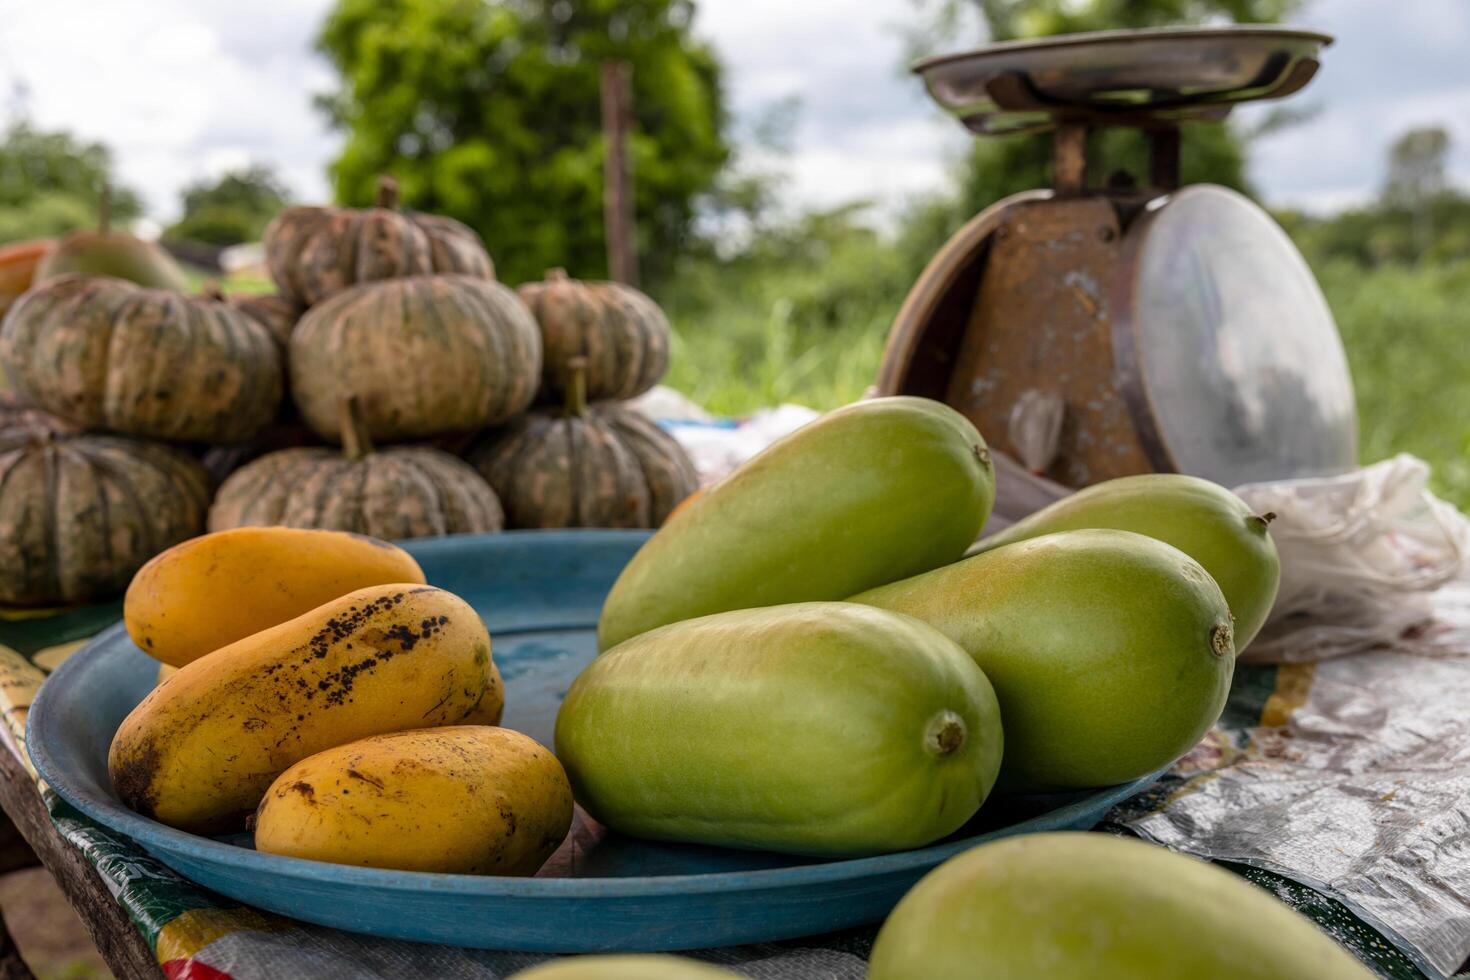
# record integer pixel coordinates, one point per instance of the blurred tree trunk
(617, 192)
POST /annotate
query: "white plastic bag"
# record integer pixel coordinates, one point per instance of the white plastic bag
(717, 446)
(1360, 554)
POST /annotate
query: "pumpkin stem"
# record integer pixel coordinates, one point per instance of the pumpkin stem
(387, 192)
(576, 404)
(356, 443)
(557, 275)
(38, 435)
(104, 209)
(211, 290)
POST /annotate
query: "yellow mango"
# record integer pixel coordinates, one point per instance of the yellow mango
(212, 590)
(200, 751)
(468, 799)
(492, 703)
(488, 711)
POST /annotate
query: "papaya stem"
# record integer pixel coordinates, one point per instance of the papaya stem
(38, 435)
(211, 290)
(387, 192)
(576, 401)
(557, 275)
(104, 209)
(356, 442)
(1222, 639)
(945, 734)
(1261, 522)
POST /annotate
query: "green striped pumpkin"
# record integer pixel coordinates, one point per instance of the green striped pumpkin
(315, 252)
(107, 354)
(602, 465)
(393, 493)
(274, 312)
(79, 514)
(622, 334)
(425, 355)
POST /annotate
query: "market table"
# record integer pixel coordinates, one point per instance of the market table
(147, 921)
(27, 819)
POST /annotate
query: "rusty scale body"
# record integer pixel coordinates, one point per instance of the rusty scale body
(1093, 332)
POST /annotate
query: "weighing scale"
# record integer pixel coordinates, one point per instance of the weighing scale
(1105, 328)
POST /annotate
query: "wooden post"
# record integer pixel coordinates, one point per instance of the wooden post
(104, 209)
(617, 192)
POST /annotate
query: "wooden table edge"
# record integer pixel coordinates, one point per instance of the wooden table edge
(115, 935)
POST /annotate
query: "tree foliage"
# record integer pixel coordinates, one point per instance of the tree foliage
(51, 183)
(1416, 165)
(230, 209)
(1007, 20)
(489, 112)
(1416, 179)
(1418, 218)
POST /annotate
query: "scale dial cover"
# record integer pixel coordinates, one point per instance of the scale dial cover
(1237, 362)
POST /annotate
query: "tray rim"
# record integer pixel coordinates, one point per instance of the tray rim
(155, 838)
(1103, 38)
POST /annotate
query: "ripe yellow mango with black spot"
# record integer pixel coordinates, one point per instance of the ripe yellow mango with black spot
(871, 493)
(212, 590)
(491, 706)
(1100, 907)
(200, 750)
(627, 966)
(467, 799)
(488, 711)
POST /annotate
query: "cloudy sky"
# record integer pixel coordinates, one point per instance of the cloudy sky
(182, 89)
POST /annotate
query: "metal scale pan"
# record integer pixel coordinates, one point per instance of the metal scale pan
(1171, 74)
(1093, 332)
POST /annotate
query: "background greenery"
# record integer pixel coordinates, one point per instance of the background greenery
(488, 111)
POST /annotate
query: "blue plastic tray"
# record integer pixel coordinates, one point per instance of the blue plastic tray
(540, 593)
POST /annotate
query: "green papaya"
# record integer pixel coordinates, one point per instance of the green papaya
(1110, 652)
(628, 966)
(1202, 519)
(117, 255)
(820, 728)
(104, 252)
(1097, 906)
(868, 494)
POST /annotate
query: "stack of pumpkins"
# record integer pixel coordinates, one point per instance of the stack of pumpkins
(585, 459)
(394, 331)
(388, 329)
(98, 339)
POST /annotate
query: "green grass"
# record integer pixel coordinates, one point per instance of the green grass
(755, 355)
(1407, 334)
(230, 284)
(804, 320)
